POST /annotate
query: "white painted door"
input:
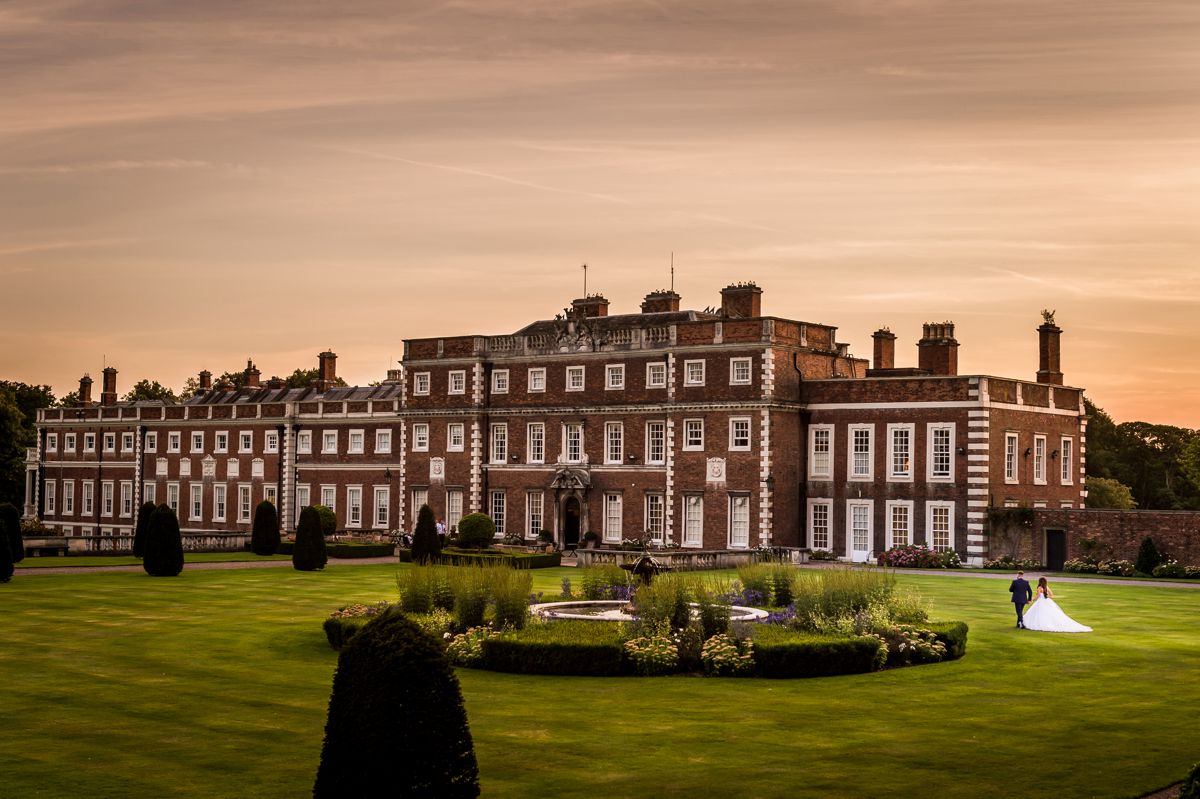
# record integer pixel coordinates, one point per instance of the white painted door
(859, 533)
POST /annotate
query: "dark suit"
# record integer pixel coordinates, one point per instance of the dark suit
(1022, 594)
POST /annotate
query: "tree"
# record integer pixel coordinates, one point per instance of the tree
(1103, 492)
(396, 718)
(303, 378)
(264, 537)
(308, 554)
(10, 526)
(13, 442)
(144, 390)
(164, 544)
(68, 400)
(328, 519)
(426, 547)
(1148, 557)
(476, 530)
(6, 559)
(139, 532)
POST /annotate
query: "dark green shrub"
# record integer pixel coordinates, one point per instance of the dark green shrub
(780, 652)
(476, 531)
(1170, 569)
(139, 532)
(264, 536)
(358, 550)
(328, 519)
(714, 614)
(1148, 556)
(510, 590)
(164, 544)
(1191, 786)
(6, 560)
(951, 633)
(396, 719)
(441, 592)
(339, 631)
(608, 581)
(516, 560)
(308, 553)
(781, 584)
(583, 648)
(10, 527)
(426, 547)
(470, 584)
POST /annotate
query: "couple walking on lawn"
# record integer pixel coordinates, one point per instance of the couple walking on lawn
(1045, 615)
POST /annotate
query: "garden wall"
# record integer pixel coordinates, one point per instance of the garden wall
(1176, 532)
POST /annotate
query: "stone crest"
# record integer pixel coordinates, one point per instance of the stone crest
(437, 470)
(715, 473)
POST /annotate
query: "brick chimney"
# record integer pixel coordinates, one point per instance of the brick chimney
(591, 305)
(937, 351)
(251, 375)
(742, 300)
(275, 383)
(109, 395)
(1048, 351)
(205, 380)
(885, 348)
(326, 371)
(85, 390)
(660, 302)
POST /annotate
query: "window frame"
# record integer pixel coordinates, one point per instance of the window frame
(690, 379)
(498, 442)
(658, 368)
(930, 507)
(500, 381)
(734, 421)
(1012, 453)
(661, 426)
(421, 384)
(611, 371)
(932, 429)
(1066, 459)
(852, 461)
(532, 499)
(498, 503)
(535, 453)
(890, 522)
(1039, 458)
(535, 380)
(614, 535)
(894, 476)
(361, 449)
(655, 518)
(569, 375)
(383, 441)
(453, 375)
(614, 434)
(420, 437)
(734, 363)
(693, 520)
(690, 426)
(245, 442)
(814, 473)
(221, 442)
(462, 437)
(736, 499)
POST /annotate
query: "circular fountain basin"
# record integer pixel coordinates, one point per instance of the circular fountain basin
(615, 610)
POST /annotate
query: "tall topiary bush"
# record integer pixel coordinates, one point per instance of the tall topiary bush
(264, 536)
(476, 530)
(309, 552)
(426, 548)
(139, 532)
(328, 519)
(164, 544)
(6, 559)
(1148, 556)
(396, 718)
(11, 526)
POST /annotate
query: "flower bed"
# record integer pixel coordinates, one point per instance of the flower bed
(518, 560)
(916, 556)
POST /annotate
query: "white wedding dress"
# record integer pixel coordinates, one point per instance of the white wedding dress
(1046, 616)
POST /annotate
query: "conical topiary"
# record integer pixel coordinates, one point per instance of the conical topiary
(426, 547)
(308, 554)
(264, 538)
(164, 544)
(139, 533)
(396, 718)
(6, 558)
(1148, 556)
(12, 524)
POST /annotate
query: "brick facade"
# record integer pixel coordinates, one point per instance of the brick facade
(1120, 531)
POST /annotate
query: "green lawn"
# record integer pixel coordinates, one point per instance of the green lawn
(73, 561)
(216, 683)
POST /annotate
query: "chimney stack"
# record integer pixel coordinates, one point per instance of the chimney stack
(326, 371)
(885, 348)
(109, 395)
(1048, 351)
(251, 375)
(937, 351)
(741, 300)
(85, 390)
(591, 305)
(205, 380)
(660, 302)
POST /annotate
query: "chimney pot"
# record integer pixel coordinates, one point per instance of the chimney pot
(741, 300)
(109, 395)
(591, 305)
(85, 390)
(885, 348)
(1049, 370)
(937, 351)
(660, 302)
(326, 371)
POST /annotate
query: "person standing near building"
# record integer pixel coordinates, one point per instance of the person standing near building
(1021, 596)
(441, 531)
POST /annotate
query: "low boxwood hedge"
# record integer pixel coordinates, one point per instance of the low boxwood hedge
(346, 550)
(951, 633)
(783, 653)
(579, 648)
(518, 560)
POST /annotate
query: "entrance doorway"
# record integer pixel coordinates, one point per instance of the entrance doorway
(1056, 549)
(570, 523)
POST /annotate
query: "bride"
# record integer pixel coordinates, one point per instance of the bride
(1046, 616)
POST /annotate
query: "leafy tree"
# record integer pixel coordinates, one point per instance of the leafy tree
(150, 390)
(10, 526)
(68, 400)
(308, 554)
(303, 378)
(139, 532)
(164, 544)
(1148, 556)
(1103, 492)
(264, 537)
(29, 399)
(1149, 458)
(15, 436)
(396, 718)
(476, 530)
(328, 519)
(426, 547)
(1189, 461)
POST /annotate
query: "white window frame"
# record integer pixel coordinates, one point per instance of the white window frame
(451, 445)
(454, 507)
(734, 365)
(739, 503)
(87, 502)
(693, 520)
(498, 502)
(855, 470)
(734, 423)
(1012, 454)
(656, 374)
(245, 441)
(420, 437)
(356, 449)
(421, 382)
(149, 490)
(693, 372)
(535, 445)
(110, 442)
(329, 446)
(420, 498)
(220, 506)
(270, 496)
(851, 504)
(383, 503)
(245, 503)
(126, 510)
(50, 497)
(354, 506)
(1039, 459)
(458, 376)
(68, 503)
(329, 496)
(931, 432)
(893, 475)
(614, 516)
(108, 501)
(820, 451)
(174, 441)
(52, 442)
(303, 498)
(151, 442)
(500, 381)
(69, 442)
(929, 516)
(693, 435)
(614, 442)
(271, 442)
(1066, 457)
(656, 434)
(498, 436)
(221, 442)
(535, 513)
(572, 373)
(127, 442)
(535, 380)
(304, 442)
(196, 502)
(614, 377)
(655, 506)
(572, 435)
(890, 521)
(89, 442)
(383, 442)
(196, 438)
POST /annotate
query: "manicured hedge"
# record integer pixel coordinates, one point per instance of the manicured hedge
(346, 550)
(951, 633)
(579, 648)
(779, 652)
(339, 631)
(537, 560)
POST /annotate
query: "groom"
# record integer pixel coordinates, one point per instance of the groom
(1022, 595)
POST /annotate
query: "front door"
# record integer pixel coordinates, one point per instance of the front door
(859, 532)
(1056, 550)
(571, 523)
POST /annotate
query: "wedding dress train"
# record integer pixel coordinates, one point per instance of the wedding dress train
(1046, 616)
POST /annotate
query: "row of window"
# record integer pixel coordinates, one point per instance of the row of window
(901, 444)
(108, 442)
(1039, 454)
(937, 531)
(86, 506)
(572, 443)
(740, 374)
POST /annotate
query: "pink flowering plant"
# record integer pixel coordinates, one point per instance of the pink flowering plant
(919, 556)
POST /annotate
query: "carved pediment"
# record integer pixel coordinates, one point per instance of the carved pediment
(572, 478)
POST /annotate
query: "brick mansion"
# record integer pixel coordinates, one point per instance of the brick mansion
(717, 429)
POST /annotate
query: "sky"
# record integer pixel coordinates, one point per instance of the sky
(184, 186)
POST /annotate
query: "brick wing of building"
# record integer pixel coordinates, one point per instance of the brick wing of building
(714, 429)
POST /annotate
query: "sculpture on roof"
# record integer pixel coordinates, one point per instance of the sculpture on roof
(1048, 316)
